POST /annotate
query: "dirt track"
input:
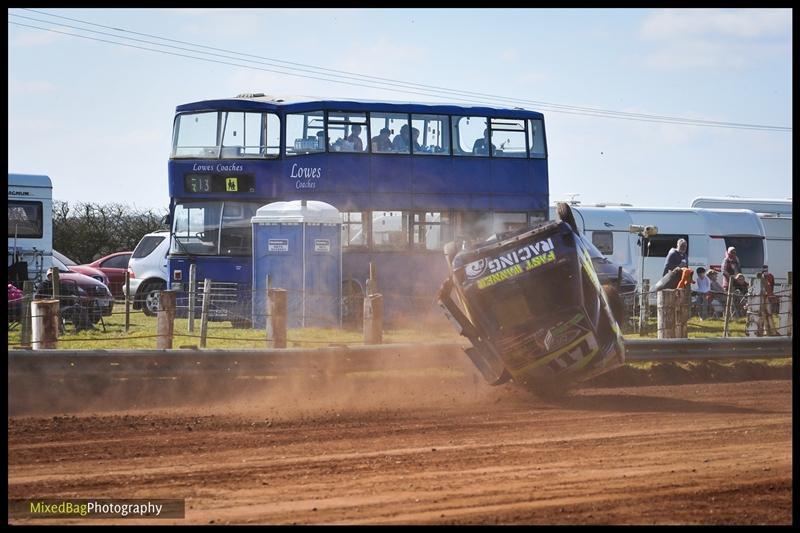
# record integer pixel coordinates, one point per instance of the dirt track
(446, 452)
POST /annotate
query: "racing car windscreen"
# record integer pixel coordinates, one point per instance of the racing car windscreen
(533, 297)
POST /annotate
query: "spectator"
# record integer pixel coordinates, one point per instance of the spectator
(354, 137)
(772, 299)
(686, 277)
(321, 140)
(415, 140)
(381, 142)
(716, 294)
(732, 270)
(702, 293)
(481, 146)
(401, 141)
(676, 256)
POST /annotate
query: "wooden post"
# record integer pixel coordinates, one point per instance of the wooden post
(127, 301)
(166, 319)
(666, 314)
(276, 326)
(727, 309)
(44, 324)
(372, 282)
(373, 319)
(25, 324)
(644, 303)
(619, 278)
(204, 312)
(192, 295)
(785, 313)
(56, 288)
(683, 309)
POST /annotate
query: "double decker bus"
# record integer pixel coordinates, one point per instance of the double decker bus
(406, 177)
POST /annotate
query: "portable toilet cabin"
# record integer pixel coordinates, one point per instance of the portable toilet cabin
(297, 245)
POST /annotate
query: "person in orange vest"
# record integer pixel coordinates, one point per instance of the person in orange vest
(686, 278)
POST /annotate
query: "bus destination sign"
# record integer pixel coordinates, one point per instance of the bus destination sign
(211, 183)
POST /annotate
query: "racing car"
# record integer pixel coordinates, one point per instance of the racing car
(530, 303)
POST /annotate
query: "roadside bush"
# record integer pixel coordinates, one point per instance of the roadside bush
(86, 231)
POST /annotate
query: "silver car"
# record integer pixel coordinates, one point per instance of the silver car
(148, 271)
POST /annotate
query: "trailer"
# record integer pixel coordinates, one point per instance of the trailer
(775, 215)
(708, 232)
(30, 227)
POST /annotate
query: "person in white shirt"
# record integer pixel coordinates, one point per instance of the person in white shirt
(703, 293)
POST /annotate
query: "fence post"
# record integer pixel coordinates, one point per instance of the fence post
(44, 323)
(56, 288)
(666, 313)
(683, 299)
(276, 325)
(204, 312)
(127, 301)
(166, 319)
(727, 310)
(372, 282)
(785, 311)
(373, 319)
(192, 295)
(25, 323)
(644, 303)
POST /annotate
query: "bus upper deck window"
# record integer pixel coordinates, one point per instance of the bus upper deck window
(305, 133)
(434, 136)
(536, 140)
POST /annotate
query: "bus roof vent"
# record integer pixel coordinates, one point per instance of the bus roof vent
(613, 204)
(250, 95)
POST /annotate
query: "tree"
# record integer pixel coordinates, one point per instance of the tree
(91, 230)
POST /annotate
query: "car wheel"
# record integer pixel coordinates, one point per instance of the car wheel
(152, 294)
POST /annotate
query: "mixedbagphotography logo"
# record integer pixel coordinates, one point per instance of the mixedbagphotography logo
(96, 508)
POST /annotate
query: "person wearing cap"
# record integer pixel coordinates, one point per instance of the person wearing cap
(381, 142)
(676, 256)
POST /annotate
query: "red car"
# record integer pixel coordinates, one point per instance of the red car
(81, 269)
(114, 266)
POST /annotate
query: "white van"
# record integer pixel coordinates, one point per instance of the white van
(30, 227)
(776, 217)
(708, 232)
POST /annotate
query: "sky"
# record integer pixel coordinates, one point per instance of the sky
(97, 117)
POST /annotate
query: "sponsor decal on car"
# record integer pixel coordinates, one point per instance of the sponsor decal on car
(497, 264)
(515, 270)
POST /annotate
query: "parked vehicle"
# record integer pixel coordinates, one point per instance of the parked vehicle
(30, 227)
(86, 270)
(776, 216)
(84, 299)
(148, 271)
(709, 232)
(114, 266)
(533, 308)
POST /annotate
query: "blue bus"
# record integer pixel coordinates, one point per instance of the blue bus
(406, 177)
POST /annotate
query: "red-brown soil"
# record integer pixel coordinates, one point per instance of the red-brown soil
(429, 448)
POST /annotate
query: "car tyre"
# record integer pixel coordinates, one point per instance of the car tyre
(150, 297)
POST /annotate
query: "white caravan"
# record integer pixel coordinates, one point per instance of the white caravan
(30, 227)
(709, 232)
(776, 217)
